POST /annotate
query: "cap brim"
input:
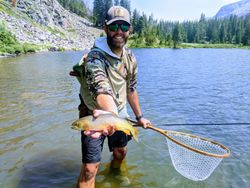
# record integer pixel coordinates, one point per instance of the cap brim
(117, 19)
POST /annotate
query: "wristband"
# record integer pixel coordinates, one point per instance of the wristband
(138, 117)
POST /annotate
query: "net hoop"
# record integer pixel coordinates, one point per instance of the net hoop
(165, 133)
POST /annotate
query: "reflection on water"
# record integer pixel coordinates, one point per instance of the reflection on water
(54, 168)
(38, 102)
(123, 177)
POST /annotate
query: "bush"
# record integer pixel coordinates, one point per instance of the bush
(6, 37)
(29, 48)
(18, 48)
(7, 49)
(9, 43)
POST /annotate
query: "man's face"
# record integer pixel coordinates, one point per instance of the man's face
(117, 34)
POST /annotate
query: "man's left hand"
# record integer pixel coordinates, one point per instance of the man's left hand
(144, 122)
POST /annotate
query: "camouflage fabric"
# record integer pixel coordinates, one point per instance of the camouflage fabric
(108, 75)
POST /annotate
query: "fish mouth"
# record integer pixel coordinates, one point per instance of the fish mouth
(75, 128)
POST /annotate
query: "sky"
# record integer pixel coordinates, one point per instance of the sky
(177, 10)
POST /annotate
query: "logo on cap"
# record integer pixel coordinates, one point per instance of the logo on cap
(118, 12)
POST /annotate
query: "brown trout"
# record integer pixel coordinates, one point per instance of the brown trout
(103, 122)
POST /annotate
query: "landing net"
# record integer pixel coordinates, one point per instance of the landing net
(194, 157)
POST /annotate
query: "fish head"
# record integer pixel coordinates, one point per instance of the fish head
(79, 125)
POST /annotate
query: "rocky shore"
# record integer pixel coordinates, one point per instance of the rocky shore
(47, 23)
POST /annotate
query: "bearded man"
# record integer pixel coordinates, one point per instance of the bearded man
(108, 82)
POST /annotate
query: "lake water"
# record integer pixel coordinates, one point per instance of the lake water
(38, 102)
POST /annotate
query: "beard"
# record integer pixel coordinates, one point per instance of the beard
(117, 41)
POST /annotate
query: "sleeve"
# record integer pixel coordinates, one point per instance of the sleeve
(96, 77)
(132, 78)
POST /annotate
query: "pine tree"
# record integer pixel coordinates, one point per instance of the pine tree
(201, 33)
(116, 3)
(176, 37)
(246, 33)
(98, 12)
(125, 4)
(135, 21)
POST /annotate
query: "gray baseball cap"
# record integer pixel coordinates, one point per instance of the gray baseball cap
(117, 13)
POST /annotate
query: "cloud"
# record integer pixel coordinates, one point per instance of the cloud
(229, 1)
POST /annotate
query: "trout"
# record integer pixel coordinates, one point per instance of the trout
(103, 122)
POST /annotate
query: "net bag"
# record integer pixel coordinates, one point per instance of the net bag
(194, 157)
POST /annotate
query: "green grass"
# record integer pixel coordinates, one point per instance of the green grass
(132, 43)
(10, 45)
(196, 45)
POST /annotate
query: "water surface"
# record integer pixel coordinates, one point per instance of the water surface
(38, 102)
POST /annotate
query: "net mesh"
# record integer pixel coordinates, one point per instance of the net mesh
(190, 164)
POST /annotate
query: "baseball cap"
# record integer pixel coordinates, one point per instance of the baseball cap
(117, 13)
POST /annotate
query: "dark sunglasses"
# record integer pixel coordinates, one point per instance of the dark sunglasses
(114, 27)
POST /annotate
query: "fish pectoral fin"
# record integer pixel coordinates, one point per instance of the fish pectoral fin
(135, 133)
(127, 132)
(136, 138)
(136, 130)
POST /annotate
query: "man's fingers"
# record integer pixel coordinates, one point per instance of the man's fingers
(96, 135)
(93, 134)
(96, 112)
(87, 133)
(109, 130)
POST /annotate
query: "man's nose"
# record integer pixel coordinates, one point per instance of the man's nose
(119, 30)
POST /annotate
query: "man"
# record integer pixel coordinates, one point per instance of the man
(108, 82)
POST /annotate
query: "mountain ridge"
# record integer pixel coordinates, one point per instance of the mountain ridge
(240, 8)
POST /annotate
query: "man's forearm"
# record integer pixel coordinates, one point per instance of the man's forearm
(134, 103)
(106, 102)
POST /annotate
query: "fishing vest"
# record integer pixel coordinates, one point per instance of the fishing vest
(120, 74)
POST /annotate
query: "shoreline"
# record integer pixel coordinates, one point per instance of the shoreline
(195, 45)
(182, 46)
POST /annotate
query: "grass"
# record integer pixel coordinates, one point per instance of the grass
(141, 44)
(196, 45)
(10, 45)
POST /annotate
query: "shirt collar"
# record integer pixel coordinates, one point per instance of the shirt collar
(102, 44)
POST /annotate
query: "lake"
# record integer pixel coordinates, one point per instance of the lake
(39, 100)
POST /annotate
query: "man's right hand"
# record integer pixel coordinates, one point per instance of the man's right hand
(107, 132)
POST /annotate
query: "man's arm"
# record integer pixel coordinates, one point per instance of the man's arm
(107, 103)
(100, 89)
(134, 103)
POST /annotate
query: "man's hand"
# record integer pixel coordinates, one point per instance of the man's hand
(96, 134)
(144, 122)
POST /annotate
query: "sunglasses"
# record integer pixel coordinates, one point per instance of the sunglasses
(114, 27)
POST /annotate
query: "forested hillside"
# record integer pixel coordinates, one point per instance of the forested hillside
(48, 23)
(76, 6)
(151, 32)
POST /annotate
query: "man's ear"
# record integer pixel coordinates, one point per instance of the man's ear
(105, 28)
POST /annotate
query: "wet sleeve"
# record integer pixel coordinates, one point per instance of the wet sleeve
(132, 79)
(96, 77)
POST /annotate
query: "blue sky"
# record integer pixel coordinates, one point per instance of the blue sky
(177, 10)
